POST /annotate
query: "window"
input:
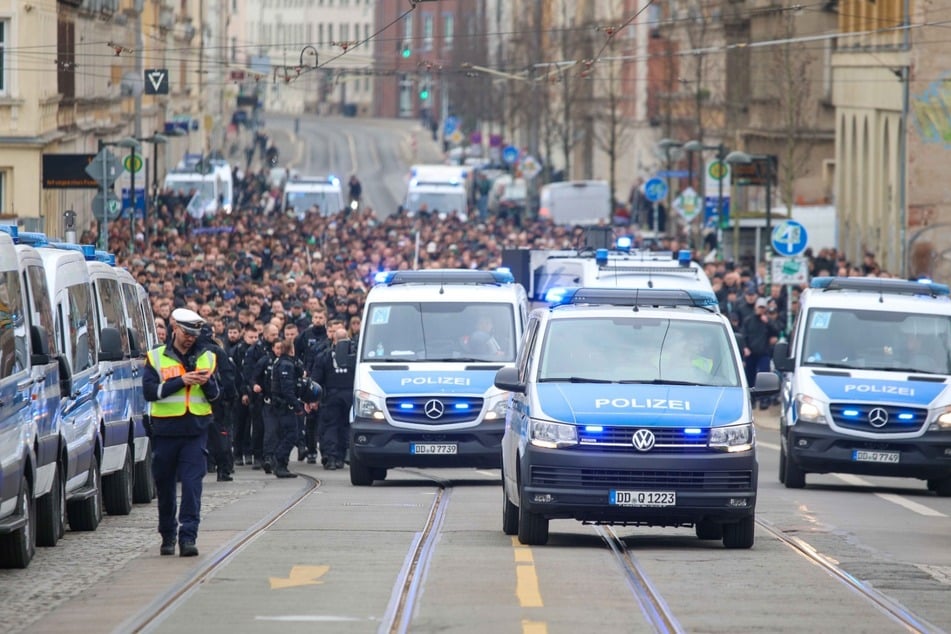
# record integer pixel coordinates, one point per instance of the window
(110, 305)
(427, 32)
(78, 337)
(4, 29)
(344, 32)
(12, 329)
(449, 27)
(42, 313)
(320, 35)
(135, 322)
(3, 191)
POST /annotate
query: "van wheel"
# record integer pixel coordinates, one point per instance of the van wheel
(378, 473)
(532, 528)
(739, 534)
(143, 491)
(709, 530)
(18, 547)
(117, 488)
(51, 511)
(509, 514)
(85, 515)
(360, 474)
(794, 477)
(942, 488)
(782, 466)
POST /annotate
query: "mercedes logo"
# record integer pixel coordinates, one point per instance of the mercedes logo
(643, 440)
(878, 417)
(434, 408)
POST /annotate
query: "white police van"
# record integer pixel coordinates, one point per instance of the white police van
(630, 406)
(430, 345)
(866, 384)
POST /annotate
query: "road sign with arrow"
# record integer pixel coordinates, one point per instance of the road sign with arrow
(156, 81)
(104, 168)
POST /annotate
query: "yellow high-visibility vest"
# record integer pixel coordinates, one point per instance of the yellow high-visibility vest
(191, 398)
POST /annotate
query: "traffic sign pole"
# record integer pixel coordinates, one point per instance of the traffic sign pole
(103, 236)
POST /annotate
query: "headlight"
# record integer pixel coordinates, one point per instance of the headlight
(732, 438)
(553, 435)
(496, 407)
(810, 410)
(943, 422)
(366, 405)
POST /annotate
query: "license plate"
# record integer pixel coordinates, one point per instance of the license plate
(875, 456)
(434, 448)
(643, 498)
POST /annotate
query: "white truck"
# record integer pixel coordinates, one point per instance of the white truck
(576, 202)
(439, 189)
(307, 194)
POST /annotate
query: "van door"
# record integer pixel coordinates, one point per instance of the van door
(14, 390)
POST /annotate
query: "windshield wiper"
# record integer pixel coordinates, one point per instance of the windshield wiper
(573, 379)
(831, 364)
(660, 382)
(454, 359)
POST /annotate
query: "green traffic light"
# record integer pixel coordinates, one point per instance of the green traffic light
(406, 52)
(424, 94)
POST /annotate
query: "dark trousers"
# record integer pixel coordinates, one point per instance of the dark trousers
(270, 438)
(255, 412)
(310, 431)
(179, 458)
(756, 363)
(334, 427)
(220, 437)
(241, 439)
(287, 428)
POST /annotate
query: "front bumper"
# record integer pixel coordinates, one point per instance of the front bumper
(818, 449)
(379, 444)
(559, 483)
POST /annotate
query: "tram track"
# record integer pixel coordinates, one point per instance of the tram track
(164, 605)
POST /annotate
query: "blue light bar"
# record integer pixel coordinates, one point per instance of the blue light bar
(444, 276)
(88, 251)
(381, 277)
(601, 257)
(461, 406)
(880, 285)
(406, 406)
(624, 243)
(633, 297)
(34, 238)
(13, 230)
(693, 431)
(105, 256)
(683, 257)
(594, 428)
(906, 416)
(850, 412)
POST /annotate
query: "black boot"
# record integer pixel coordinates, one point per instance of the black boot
(282, 472)
(168, 546)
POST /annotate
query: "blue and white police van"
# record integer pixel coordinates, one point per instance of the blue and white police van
(866, 382)
(430, 345)
(630, 407)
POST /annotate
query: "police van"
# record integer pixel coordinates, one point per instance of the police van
(430, 345)
(866, 382)
(630, 407)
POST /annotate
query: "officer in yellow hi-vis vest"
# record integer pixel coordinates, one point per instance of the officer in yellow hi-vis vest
(180, 383)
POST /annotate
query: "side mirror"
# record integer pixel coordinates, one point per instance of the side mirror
(781, 357)
(110, 345)
(39, 342)
(767, 384)
(65, 377)
(507, 379)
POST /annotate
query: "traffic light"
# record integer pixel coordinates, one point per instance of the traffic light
(424, 92)
(406, 52)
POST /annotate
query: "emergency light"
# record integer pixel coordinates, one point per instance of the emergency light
(14, 232)
(444, 276)
(880, 285)
(633, 297)
(34, 238)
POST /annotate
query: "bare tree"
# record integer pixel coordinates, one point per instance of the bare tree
(613, 129)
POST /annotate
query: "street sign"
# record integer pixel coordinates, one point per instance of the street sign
(450, 125)
(712, 217)
(67, 171)
(531, 167)
(156, 81)
(110, 206)
(510, 154)
(687, 204)
(456, 136)
(105, 168)
(789, 270)
(673, 174)
(717, 178)
(655, 189)
(140, 198)
(789, 238)
(132, 164)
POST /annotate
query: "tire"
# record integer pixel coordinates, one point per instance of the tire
(942, 488)
(739, 534)
(51, 511)
(17, 548)
(782, 466)
(378, 473)
(117, 488)
(360, 474)
(532, 528)
(933, 485)
(509, 514)
(85, 515)
(794, 477)
(143, 490)
(706, 529)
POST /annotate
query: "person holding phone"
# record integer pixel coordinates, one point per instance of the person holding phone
(180, 383)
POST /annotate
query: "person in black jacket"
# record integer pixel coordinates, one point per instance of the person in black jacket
(284, 407)
(759, 334)
(241, 438)
(335, 373)
(256, 360)
(310, 346)
(220, 433)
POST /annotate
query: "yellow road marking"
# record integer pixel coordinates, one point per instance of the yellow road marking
(534, 627)
(526, 580)
(300, 576)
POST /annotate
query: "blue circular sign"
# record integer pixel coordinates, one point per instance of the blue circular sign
(510, 154)
(655, 189)
(789, 238)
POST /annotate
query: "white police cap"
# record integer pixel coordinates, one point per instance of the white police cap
(189, 321)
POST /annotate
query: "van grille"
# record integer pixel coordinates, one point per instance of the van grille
(619, 440)
(860, 417)
(423, 410)
(575, 478)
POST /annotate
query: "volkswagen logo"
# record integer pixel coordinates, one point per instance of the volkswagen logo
(434, 408)
(643, 440)
(878, 417)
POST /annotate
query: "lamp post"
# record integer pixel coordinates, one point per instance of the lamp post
(697, 146)
(103, 228)
(666, 145)
(155, 140)
(762, 161)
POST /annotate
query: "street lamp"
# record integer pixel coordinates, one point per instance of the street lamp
(761, 161)
(131, 144)
(697, 146)
(155, 140)
(158, 139)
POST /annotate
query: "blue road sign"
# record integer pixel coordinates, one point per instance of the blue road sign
(711, 212)
(510, 154)
(450, 125)
(789, 238)
(655, 189)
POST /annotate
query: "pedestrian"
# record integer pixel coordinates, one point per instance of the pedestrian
(310, 346)
(256, 359)
(264, 438)
(335, 374)
(284, 407)
(759, 335)
(180, 382)
(221, 431)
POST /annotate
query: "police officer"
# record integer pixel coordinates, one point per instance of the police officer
(220, 433)
(260, 381)
(283, 407)
(256, 360)
(180, 382)
(310, 345)
(335, 373)
(242, 416)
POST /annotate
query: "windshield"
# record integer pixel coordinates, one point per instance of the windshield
(439, 331)
(205, 189)
(303, 202)
(445, 203)
(638, 350)
(877, 340)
